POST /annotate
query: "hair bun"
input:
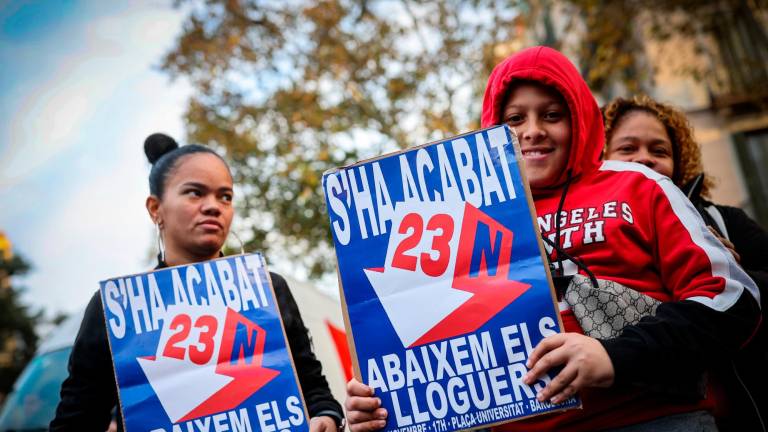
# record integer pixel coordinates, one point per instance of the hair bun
(158, 144)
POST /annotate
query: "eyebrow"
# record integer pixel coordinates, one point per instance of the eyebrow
(203, 186)
(545, 105)
(635, 138)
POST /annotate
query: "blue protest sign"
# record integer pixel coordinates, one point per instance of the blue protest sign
(444, 281)
(202, 347)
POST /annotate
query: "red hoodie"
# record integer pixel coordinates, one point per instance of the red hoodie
(633, 226)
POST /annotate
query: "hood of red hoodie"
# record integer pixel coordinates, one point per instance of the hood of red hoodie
(550, 67)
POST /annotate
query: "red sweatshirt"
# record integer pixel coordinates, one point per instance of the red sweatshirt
(633, 226)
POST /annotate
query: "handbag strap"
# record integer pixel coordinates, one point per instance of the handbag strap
(579, 263)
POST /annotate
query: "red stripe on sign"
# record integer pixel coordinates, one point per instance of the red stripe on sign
(490, 284)
(339, 338)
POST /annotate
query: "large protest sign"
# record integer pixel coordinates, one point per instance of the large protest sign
(444, 281)
(202, 347)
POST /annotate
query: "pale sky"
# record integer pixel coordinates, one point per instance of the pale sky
(79, 92)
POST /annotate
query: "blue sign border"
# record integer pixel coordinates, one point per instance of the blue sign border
(140, 405)
(373, 336)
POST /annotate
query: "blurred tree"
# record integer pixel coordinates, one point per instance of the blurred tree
(611, 35)
(599, 33)
(18, 338)
(291, 89)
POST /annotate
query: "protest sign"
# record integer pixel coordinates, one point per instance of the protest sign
(444, 281)
(202, 347)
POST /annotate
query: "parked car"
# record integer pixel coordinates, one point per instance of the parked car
(32, 403)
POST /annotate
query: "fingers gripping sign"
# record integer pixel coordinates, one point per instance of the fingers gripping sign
(322, 424)
(364, 411)
(445, 288)
(584, 360)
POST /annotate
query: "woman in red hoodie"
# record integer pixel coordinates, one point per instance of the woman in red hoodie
(627, 224)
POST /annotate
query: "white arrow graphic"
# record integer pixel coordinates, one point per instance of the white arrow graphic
(414, 301)
(180, 384)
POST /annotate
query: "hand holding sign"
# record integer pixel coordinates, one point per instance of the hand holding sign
(434, 248)
(585, 361)
(364, 411)
(202, 344)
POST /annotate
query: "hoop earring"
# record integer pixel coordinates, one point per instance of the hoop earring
(160, 242)
(242, 247)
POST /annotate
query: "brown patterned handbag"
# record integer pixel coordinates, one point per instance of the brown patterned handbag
(604, 310)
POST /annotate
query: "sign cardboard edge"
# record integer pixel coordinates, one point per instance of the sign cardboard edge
(512, 135)
(285, 336)
(356, 372)
(277, 307)
(532, 208)
(404, 150)
(102, 293)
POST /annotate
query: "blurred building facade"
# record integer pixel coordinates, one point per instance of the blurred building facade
(729, 108)
(727, 105)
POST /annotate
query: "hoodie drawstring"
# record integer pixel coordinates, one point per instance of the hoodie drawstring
(579, 263)
(559, 268)
(560, 253)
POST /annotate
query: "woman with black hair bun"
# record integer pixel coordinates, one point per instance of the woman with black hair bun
(190, 202)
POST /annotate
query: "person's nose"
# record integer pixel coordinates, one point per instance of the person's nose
(532, 130)
(211, 205)
(645, 158)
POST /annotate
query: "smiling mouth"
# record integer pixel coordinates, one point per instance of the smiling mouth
(537, 153)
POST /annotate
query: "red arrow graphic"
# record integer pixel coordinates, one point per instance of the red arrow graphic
(493, 291)
(244, 365)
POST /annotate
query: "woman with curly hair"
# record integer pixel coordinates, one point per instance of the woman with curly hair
(659, 136)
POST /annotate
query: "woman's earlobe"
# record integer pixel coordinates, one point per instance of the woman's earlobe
(153, 206)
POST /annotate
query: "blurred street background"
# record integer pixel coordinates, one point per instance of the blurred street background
(288, 89)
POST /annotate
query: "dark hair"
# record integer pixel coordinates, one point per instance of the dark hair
(164, 153)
